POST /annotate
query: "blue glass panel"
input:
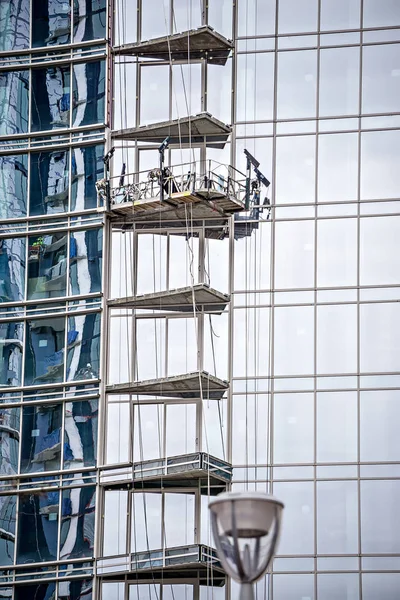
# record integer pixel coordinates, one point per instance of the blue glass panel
(88, 100)
(80, 447)
(41, 438)
(89, 20)
(83, 360)
(50, 98)
(13, 186)
(87, 168)
(36, 591)
(14, 102)
(48, 190)
(77, 521)
(7, 524)
(44, 362)
(14, 24)
(11, 341)
(47, 266)
(80, 589)
(9, 440)
(52, 19)
(12, 270)
(38, 526)
(85, 261)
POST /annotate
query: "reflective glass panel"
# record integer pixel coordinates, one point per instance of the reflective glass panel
(78, 506)
(87, 168)
(148, 432)
(115, 523)
(293, 587)
(337, 167)
(13, 186)
(44, 361)
(297, 15)
(337, 427)
(331, 586)
(9, 440)
(52, 22)
(143, 592)
(14, 102)
(219, 91)
(50, 98)
(186, 15)
(380, 337)
(41, 438)
(293, 428)
(75, 589)
(38, 518)
(249, 429)
(146, 521)
(380, 154)
(297, 84)
(294, 254)
(255, 98)
(381, 71)
(49, 191)
(379, 251)
(251, 347)
(39, 591)
(89, 18)
(220, 15)
(380, 585)
(379, 415)
(154, 94)
(155, 19)
(337, 517)
(118, 446)
(14, 25)
(339, 82)
(337, 252)
(12, 269)
(298, 532)
(47, 266)
(88, 93)
(340, 14)
(382, 496)
(11, 344)
(296, 156)
(336, 339)
(80, 443)
(83, 347)
(256, 17)
(294, 340)
(85, 261)
(182, 439)
(8, 506)
(178, 531)
(386, 13)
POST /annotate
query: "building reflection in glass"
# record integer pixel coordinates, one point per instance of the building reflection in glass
(12, 269)
(85, 262)
(8, 506)
(14, 25)
(13, 185)
(50, 98)
(44, 360)
(14, 102)
(47, 266)
(41, 438)
(49, 182)
(9, 440)
(52, 20)
(87, 168)
(80, 438)
(11, 343)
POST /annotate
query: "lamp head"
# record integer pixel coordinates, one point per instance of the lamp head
(246, 527)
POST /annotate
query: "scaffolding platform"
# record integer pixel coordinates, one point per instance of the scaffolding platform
(187, 130)
(202, 296)
(201, 43)
(188, 470)
(195, 561)
(197, 385)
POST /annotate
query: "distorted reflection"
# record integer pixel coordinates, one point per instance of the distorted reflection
(80, 445)
(87, 168)
(14, 25)
(52, 20)
(49, 182)
(14, 102)
(77, 520)
(88, 100)
(75, 589)
(13, 185)
(9, 440)
(83, 358)
(85, 261)
(89, 20)
(11, 343)
(44, 361)
(39, 591)
(38, 516)
(8, 505)
(41, 438)
(47, 266)
(50, 98)
(12, 269)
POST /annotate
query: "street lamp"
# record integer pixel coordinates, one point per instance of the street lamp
(246, 527)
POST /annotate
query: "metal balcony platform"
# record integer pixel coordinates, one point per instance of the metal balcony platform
(186, 130)
(182, 562)
(202, 296)
(197, 385)
(188, 470)
(202, 43)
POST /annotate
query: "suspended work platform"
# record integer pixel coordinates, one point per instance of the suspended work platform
(195, 44)
(197, 385)
(196, 470)
(187, 130)
(200, 297)
(195, 561)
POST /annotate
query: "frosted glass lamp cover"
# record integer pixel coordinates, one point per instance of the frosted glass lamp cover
(246, 527)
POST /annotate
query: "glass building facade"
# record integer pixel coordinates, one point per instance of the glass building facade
(305, 349)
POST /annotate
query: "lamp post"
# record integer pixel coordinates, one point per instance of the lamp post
(246, 527)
